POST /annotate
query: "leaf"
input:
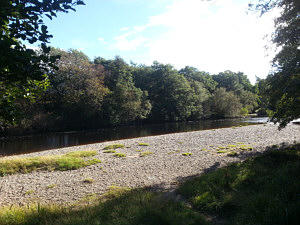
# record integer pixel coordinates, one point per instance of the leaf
(80, 3)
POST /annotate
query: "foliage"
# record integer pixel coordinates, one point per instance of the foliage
(260, 190)
(125, 103)
(91, 95)
(284, 83)
(231, 81)
(77, 89)
(69, 161)
(23, 70)
(224, 104)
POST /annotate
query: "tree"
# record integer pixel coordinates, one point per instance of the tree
(77, 89)
(125, 103)
(192, 74)
(284, 83)
(235, 82)
(170, 93)
(22, 70)
(224, 104)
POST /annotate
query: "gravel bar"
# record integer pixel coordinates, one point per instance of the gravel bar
(161, 170)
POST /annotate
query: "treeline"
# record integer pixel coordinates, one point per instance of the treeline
(84, 94)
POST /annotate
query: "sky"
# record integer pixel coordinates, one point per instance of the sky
(210, 35)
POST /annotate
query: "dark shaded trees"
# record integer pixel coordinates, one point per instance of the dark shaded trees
(284, 83)
(22, 70)
(224, 104)
(125, 102)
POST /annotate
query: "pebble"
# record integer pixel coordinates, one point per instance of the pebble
(161, 170)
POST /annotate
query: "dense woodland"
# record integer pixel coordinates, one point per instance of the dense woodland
(84, 94)
(56, 90)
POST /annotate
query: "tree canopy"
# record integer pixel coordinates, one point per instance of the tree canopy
(23, 71)
(284, 84)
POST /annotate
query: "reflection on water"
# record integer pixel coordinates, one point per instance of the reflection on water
(57, 140)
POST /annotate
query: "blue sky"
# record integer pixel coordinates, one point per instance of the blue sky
(212, 36)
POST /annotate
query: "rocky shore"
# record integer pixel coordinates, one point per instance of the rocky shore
(161, 170)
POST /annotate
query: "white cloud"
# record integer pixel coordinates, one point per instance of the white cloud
(211, 35)
(101, 39)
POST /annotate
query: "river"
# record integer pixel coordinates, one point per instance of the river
(28, 144)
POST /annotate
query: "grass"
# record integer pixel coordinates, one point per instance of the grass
(114, 146)
(109, 151)
(120, 155)
(262, 190)
(222, 151)
(143, 154)
(232, 154)
(69, 161)
(143, 144)
(51, 186)
(29, 192)
(82, 153)
(187, 154)
(118, 207)
(88, 180)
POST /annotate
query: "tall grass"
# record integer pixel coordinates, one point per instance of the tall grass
(263, 190)
(69, 161)
(119, 206)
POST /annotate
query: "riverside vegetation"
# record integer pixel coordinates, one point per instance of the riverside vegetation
(260, 190)
(69, 161)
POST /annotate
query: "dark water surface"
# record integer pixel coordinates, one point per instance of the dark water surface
(12, 146)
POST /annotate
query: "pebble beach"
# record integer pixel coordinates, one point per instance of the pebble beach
(171, 158)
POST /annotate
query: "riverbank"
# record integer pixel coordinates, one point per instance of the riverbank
(162, 170)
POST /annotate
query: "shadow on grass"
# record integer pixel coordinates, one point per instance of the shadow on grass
(118, 206)
(260, 190)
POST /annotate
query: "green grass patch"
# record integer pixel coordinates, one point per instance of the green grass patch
(51, 186)
(143, 144)
(69, 161)
(88, 180)
(120, 155)
(117, 207)
(143, 154)
(187, 154)
(138, 150)
(82, 153)
(232, 154)
(232, 146)
(29, 192)
(109, 151)
(114, 146)
(222, 151)
(261, 190)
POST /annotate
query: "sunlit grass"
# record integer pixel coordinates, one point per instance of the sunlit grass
(69, 161)
(114, 146)
(109, 151)
(120, 155)
(143, 144)
(187, 154)
(143, 154)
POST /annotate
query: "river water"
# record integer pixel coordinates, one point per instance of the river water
(28, 144)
